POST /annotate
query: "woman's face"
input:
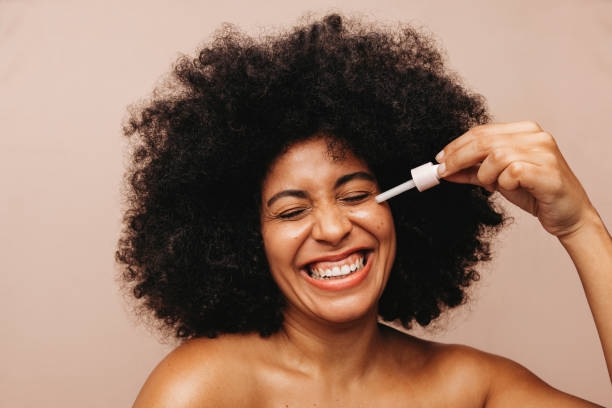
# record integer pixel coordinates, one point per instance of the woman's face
(329, 245)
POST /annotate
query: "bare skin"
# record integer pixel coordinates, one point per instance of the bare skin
(331, 352)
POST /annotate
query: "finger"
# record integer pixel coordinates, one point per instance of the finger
(479, 149)
(510, 177)
(500, 158)
(488, 130)
(538, 180)
(469, 176)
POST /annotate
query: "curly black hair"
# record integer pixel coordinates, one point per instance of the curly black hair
(191, 248)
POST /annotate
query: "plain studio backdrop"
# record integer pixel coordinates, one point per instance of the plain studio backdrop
(68, 71)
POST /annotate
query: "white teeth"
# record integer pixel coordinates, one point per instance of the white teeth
(338, 270)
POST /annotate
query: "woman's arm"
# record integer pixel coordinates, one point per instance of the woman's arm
(524, 164)
(590, 248)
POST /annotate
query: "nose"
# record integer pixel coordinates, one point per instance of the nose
(331, 225)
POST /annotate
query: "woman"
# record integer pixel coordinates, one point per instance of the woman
(253, 233)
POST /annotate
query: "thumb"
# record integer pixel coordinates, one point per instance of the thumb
(469, 176)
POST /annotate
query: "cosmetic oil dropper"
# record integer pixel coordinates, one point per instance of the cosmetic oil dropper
(423, 177)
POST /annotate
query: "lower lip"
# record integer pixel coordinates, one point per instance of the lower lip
(337, 284)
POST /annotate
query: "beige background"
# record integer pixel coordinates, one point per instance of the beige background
(68, 70)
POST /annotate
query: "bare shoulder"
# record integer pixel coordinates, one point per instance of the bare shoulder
(513, 385)
(464, 376)
(200, 371)
(497, 381)
(445, 374)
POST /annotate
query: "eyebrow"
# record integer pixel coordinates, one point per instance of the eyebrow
(287, 193)
(361, 175)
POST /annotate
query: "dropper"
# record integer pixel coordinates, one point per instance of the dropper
(423, 177)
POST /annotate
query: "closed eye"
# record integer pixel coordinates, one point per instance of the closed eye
(356, 197)
(291, 213)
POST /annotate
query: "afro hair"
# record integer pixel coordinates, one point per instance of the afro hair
(196, 261)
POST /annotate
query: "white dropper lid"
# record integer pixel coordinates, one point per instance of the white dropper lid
(423, 177)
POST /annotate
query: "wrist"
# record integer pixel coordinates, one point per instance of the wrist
(589, 226)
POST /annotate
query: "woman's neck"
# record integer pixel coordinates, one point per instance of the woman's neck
(340, 352)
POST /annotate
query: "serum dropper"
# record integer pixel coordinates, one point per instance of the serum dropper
(423, 177)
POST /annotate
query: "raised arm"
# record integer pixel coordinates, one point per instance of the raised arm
(524, 164)
(590, 248)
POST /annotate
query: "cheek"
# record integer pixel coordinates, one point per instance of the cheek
(375, 218)
(281, 242)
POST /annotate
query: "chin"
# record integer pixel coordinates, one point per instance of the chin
(346, 310)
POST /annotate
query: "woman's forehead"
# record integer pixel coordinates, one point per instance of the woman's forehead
(311, 165)
(315, 159)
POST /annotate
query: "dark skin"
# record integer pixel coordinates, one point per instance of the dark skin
(331, 352)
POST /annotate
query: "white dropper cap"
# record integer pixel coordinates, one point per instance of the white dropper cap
(423, 177)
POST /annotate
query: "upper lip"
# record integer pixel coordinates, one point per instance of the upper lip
(335, 257)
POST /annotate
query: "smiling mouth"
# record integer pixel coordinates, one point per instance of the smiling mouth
(338, 269)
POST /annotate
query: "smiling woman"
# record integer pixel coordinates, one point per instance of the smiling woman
(331, 237)
(276, 266)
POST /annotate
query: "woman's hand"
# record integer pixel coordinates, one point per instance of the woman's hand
(524, 164)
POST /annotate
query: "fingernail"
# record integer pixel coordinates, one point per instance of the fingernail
(441, 169)
(439, 156)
